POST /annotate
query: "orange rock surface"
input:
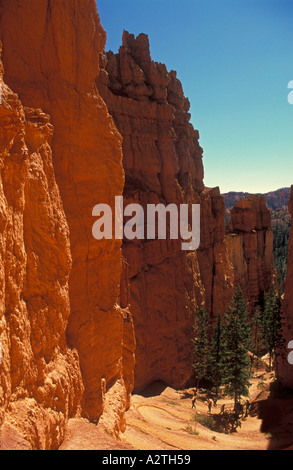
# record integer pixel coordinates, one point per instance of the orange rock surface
(87, 158)
(250, 247)
(163, 163)
(285, 368)
(40, 382)
(83, 322)
(216, 269)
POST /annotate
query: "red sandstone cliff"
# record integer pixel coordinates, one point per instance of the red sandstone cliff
(285, 368)
(163, 163)
(40, 382)
(250, 247)
(155, 281)
(51, 58)
(162, 159)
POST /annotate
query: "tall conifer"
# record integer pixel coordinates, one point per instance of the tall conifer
(238, 343)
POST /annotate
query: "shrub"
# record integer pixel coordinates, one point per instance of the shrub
(206, 421)
(191, 430)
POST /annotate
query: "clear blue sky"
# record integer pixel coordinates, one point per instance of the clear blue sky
(235, 60)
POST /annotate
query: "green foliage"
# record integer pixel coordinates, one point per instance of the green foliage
(271, 323)
(281, 240)
(191, 430)
(238, 344)
(201, 344)
(206, 421)
(256, 332)
(217, 352)
(219, 423)
(223, 358)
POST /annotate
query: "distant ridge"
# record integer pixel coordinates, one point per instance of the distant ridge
(275, 199)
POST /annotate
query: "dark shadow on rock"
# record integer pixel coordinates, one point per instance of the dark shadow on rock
(276, 413)
(154, 389)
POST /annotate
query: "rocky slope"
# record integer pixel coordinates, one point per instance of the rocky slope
(275, 199)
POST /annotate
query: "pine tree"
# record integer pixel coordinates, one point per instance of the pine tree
(238, 343)
(281, 240)
(280, 349)
(271, 323)
(201, 345)
(256, 334)
(217, 354)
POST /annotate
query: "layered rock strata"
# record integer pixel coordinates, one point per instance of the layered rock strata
(163, 164)
(162, 159)
(40, 382)
(285, 359)
(250, 247)
(51, 57)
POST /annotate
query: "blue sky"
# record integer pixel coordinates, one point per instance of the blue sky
(235, 60)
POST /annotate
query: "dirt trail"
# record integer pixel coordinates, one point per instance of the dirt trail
(163, 419)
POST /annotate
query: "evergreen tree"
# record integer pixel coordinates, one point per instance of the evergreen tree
(280, 349)
(217, 356)
(281, 231)
(271, 323)
(256, 334)
(238, 343)
(201, 345)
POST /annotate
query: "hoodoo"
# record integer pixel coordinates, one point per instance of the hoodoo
(162, 159)
(87, 159)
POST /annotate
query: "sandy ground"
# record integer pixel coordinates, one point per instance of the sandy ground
(82, 435)
(163, 419)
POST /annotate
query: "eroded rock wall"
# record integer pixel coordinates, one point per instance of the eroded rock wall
(51, 57)
(162, 159)
(40, 382)
(250, 247)
(285, 368)
(53, 53)
(163, 163)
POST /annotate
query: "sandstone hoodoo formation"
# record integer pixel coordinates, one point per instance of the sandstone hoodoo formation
(162, 159)
(84, 322)
(163, 163)
(87, 161)
(250, 247)
(40, 382)
(285, 368)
